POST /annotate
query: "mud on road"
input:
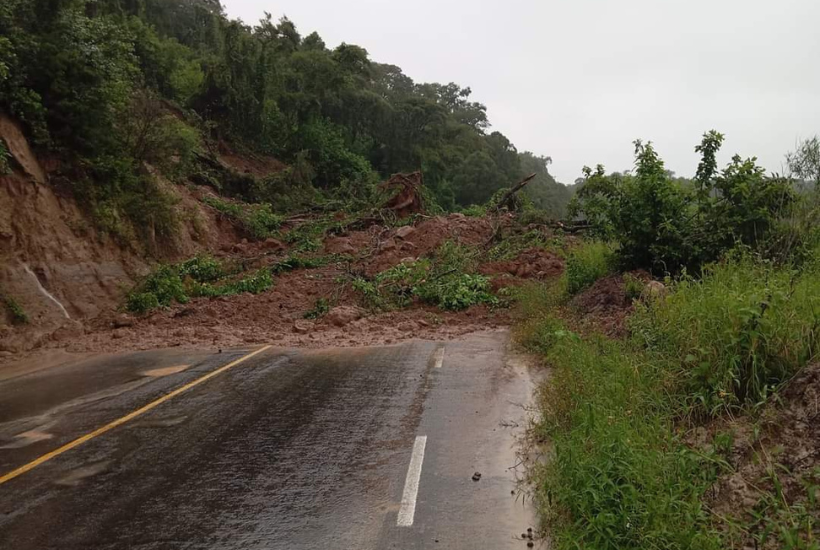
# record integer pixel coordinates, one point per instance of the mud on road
(278, 315)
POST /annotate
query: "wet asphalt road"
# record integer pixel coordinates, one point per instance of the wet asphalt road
(289, 449)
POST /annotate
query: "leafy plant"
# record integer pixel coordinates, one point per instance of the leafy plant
(16, 311)
(319, 309)
(633, 287)
(738, 332)
(202, 276)
(457, 292)
(445, 280)
(259, 220)
(587, 264)
(662, 225)
(5, 166)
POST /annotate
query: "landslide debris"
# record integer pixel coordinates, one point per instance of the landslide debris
(306, 294)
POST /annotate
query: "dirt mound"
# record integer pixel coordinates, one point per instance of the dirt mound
(278, 316)
(392, 246)
(71, 280)
(605, 306)
(535, 263)
(782, 448)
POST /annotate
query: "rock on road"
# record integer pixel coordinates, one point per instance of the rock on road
(354, 448)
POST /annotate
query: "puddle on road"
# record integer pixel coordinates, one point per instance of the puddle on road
(27, 438)
(165, 371)
(159, 423)
(78, 475)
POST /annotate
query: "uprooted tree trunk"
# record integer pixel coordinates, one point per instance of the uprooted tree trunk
(408, 198)
(506, 199)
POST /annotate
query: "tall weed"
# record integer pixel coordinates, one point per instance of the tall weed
(735, 334)
(587, 264)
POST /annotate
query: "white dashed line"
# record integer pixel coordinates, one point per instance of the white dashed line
(411, 484)
(439, 357)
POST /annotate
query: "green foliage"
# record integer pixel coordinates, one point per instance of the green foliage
(475, 211)
(737, 333)
(258, 220)
(160, 289)
(320, 309)
(619, 476)
(457, 292)
(15, 310)
(5, 166)
(446, 280)
(132, 82)
(549, 198)
(633, 287)
(202, 276)
(663, 225)
(804, 163)
(125, 203)
(587, 264)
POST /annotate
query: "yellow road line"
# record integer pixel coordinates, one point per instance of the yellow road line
(130, 416)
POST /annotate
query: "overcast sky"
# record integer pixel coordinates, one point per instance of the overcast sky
(579, 80)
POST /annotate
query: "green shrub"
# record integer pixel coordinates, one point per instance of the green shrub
(456, 292)
(202, 276)
(254, 284)
(159, 289)
(633, 287)
(446, 280)
(16, 311)
(475, 211)
(257, 219)
(664, 225)
(5, 156)
(203, 269)
(738, 332)
(262, 222)
(587, 264)
(319, 309)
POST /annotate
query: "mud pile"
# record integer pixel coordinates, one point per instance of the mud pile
(604, 307)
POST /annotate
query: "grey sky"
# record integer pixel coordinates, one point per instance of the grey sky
(579, 80)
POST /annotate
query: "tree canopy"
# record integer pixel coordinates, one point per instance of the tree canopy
(71, 70)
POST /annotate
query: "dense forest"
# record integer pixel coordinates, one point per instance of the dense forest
(110, 85)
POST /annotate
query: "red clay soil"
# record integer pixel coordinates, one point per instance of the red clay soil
(255, 165)
(278, 315)
(604, 307)
(535, 263)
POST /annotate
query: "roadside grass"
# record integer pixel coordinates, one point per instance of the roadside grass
(588, 263)
(619, 476)
(616, 412)
(736, 334)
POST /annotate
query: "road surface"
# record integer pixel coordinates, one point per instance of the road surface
(268, 448)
